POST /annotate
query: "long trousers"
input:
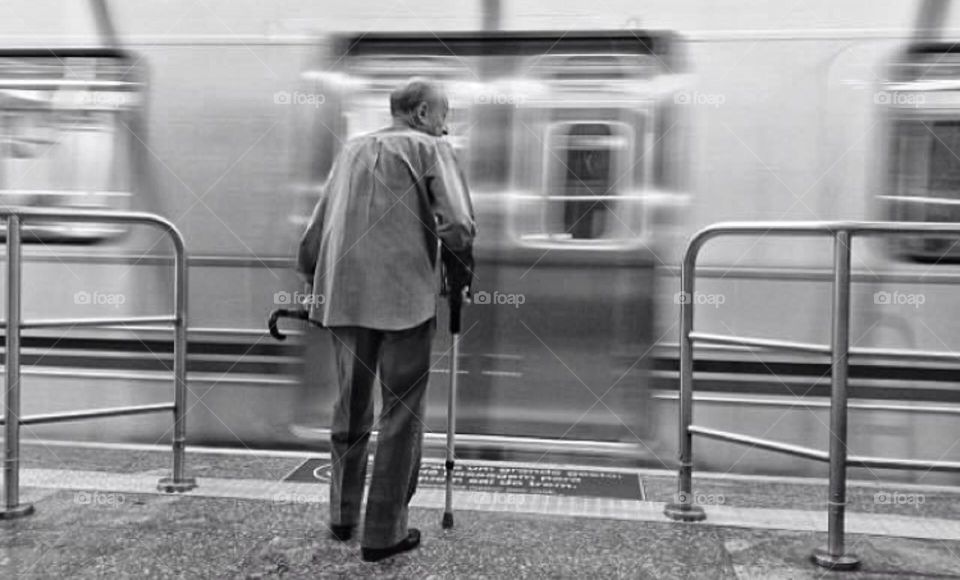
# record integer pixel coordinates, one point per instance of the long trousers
(403, 359)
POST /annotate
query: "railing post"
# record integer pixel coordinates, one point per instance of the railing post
(834, 556)
(683, 508)
(12, 507)
(179, 483)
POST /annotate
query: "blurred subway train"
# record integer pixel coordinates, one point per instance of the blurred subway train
(592, 153)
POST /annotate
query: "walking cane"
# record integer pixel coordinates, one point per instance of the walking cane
(455, 300)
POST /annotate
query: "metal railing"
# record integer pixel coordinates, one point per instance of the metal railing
(12, 420)
(834, 555)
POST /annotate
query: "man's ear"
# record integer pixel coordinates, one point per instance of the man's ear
(422, 111)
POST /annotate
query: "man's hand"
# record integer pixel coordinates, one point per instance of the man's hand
(457, 271)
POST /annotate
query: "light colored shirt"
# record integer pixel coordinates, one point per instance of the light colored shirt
(371, 245)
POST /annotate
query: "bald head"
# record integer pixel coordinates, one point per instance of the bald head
(421, 104)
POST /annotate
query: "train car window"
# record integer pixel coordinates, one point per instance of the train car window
(584, 169)
(62, 142)
(925, 184)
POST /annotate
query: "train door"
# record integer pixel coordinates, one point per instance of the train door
(570, 295)
(919, 107)
(563, 140)
(922, 111)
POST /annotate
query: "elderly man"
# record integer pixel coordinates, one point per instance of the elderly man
(371, 250)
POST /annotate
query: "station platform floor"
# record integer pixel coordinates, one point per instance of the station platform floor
(255, 515)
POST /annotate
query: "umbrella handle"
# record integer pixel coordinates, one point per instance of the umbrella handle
(284, 313)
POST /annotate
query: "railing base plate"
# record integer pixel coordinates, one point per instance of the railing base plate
(821, 557)
(684, 512)
(21, 511)
(168, 485)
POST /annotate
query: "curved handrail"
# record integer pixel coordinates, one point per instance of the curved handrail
(15, 217)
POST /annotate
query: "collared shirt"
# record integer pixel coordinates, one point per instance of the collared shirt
(371, 245)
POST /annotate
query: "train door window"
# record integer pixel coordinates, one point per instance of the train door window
(925, 184)
(587, 170)
(368, 108)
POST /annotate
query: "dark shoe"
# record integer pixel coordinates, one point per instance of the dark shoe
(341, 533)
(375, 554)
